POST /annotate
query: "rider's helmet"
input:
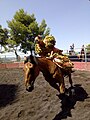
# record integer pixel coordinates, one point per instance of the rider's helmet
(49, 41)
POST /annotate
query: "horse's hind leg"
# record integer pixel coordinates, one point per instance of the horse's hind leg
(62, 86)
(71, 90)
(70, 80)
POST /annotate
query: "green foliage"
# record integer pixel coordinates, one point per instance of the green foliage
(3, 36)
(42, 28)
(11, 43)
(88, 48)
(24, 28)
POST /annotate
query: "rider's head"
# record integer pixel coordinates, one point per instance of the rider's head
(49, 41)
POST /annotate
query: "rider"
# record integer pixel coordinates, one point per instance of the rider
(40, 46)
(46, 48)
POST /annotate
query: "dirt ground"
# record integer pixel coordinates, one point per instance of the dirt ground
(43, 103)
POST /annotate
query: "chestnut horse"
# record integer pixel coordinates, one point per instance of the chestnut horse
(52, 73)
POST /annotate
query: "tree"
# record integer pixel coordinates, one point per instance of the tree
(24, 28)
(3, 37)
(88, 48)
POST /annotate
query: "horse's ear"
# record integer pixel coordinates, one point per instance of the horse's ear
(32, 59)
(25, 60)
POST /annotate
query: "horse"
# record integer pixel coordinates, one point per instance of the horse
(51, 72)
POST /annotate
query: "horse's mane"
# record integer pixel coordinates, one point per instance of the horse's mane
(46, 65)
(43, 63)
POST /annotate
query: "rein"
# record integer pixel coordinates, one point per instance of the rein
(35, 60)
(57, 64)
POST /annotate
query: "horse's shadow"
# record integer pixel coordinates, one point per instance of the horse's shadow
(68, 102)
(7, 94)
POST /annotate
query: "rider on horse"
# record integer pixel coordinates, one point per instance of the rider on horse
(46, 48)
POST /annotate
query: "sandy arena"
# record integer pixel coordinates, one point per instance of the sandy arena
(42, 103)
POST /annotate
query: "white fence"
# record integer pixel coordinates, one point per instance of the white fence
(11, 57)
(74, 55)
(77, 55)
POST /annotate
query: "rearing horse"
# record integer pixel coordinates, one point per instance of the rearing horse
(52, 73)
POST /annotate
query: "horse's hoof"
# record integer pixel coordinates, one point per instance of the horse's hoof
(61, 96)
(72, 91)
(29, 89)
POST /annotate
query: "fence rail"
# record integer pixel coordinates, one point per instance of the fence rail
(74, 55)
(78, 54)
(77, 65)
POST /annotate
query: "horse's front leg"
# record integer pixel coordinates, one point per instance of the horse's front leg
(59, 85)
(60, 80)
(54, 85)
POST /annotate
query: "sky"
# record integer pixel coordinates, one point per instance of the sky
(68, 20)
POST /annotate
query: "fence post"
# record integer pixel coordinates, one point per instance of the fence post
(85, 56)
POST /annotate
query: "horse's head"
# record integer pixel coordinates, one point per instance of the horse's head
(31, 71)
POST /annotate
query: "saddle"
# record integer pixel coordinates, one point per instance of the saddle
(63, 65)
